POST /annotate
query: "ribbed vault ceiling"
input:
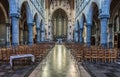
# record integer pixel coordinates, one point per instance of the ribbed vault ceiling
(71, 2)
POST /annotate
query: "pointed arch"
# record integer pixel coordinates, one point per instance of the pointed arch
(61, 10)
(4, 18)
(4, 6)
(36, 20)
(78, 24)
(59, 24)
(82, 20)
(30, 18)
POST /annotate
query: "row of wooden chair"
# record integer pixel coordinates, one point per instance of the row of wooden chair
(101, 55)
(93, 53)
(38, 50)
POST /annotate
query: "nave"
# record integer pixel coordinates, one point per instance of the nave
(90, 30)
(59, 63)
(64, 60)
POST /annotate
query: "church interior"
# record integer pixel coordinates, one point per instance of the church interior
(59, 38)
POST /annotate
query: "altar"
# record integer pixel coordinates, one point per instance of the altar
(59, 41)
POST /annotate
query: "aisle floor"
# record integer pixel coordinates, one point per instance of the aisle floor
(59, 63)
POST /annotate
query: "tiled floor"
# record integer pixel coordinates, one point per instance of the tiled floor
(19, 71)
(59, 63)
(103, 70)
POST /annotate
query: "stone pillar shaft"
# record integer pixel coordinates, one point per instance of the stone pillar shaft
(81, 32)
(76, 36)
(30, 33)
(104, 22)
(15, 31)
(43, 34)
(38, 35)
(8, 34)
(88, 35)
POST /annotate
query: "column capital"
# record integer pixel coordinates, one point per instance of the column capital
(88, 25)
(81, 28)
(42, 31)
(17, 15)
(30, 24)
(37, 28)
(103, 16)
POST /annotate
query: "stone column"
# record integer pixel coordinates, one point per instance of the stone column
(43, 34)
(104, 23)
(76, 36)
(81, 38)
(22, 36)
(30, 33)
(15, 29)
(88, 39)
(8, 34)
(69, 30)
(49, 30)
(75, 33)
(38, 35)
(55, 27)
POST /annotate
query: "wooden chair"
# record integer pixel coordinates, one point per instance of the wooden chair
(118, 53)
(101, 55)
(87, 54)
(94, 55)
(5, 55)
(79, 55)
(107, 55)
(113, 55)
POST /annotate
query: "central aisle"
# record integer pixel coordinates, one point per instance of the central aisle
(60, 63)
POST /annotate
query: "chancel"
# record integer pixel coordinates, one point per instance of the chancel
(59, 21)
(59, 38)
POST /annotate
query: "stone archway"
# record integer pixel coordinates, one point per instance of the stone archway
(23, 27)
(83, 26)
(59, 22)
(4, 23)
(114, 26)
(68, 7)
(95, 31)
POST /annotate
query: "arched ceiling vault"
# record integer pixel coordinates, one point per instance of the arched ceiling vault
(48, 3)
(59, 12)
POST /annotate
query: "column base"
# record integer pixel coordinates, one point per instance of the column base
(30, 43)
(38, 42)
(104, 45)
(88, 44)
(76, 42)
(7, 44)
(14, 44)
(42, 42)
(110, 45)
(81, 42)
